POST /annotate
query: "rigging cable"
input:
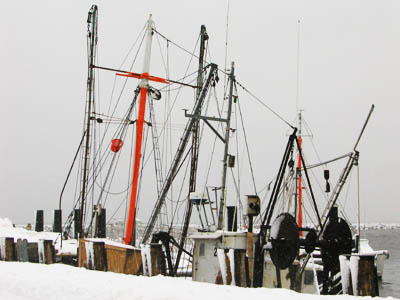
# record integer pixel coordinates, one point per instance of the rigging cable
(70, 170)
(175, 44)
(247, 145)
(265, 105)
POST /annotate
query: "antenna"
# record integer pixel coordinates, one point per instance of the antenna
(298, 66)
(226, 45)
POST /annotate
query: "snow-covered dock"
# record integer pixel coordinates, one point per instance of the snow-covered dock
(20, 281)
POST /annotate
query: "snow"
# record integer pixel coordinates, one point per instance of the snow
(89, 254)
(345, 272)
(146, 259)
(222, 264)
(231, 255)
(354, 263)
(68, 247)
(22, 281)
(41, 251)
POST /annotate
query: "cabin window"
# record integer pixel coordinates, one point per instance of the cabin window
(201, 249)
(308, 277)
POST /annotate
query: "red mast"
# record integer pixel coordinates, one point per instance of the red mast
(299, 189)
(144, 84)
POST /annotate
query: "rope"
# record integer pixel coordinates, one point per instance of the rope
(266, 106)
(175, 44)
(247, 146)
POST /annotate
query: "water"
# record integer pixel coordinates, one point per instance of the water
(388, 239)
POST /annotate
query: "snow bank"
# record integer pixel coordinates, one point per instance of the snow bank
(5, 223)
(20, 281)
(8, 230)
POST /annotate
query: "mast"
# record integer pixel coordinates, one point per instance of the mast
(195, 148)
(179, 153)
(225, 161)
(92, 39)
(144, 85)
(299, 186)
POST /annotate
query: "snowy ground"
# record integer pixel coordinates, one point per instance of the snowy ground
(20, 281)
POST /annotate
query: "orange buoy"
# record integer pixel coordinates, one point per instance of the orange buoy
(116, 145)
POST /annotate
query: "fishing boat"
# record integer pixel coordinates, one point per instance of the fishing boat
(270, 248)
(282, 252)
(105, 145)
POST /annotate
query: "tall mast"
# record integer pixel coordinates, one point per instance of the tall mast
(299, 185)
(92, 39)
(225, 161)
(195, 147)
(144, 85)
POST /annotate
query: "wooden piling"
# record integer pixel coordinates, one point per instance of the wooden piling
(95, 255)
(46, 252)
(240, 267)
(250, 256)
(7, 249)
(39, 221)
(362, 271)
(367, 277)
(22, 250)
(77, 222)
(33, 255)
(100, 231)
(157, 260)
(232, 218)
(57, 220)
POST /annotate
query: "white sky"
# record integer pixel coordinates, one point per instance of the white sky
(349, 59)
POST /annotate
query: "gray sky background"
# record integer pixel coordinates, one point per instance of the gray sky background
(349, 59)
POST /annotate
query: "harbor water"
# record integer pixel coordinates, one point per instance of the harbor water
(387, 239)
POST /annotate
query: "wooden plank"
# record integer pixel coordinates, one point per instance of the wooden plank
(123, 260)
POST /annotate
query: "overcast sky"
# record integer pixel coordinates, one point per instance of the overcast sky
(349, 59)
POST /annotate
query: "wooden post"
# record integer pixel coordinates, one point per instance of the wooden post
(365, 283)
(7, 249)
(77, 222)
(82, 261)
(22, 250)
(250, 256)
(46, 252)
(39, 221)
(157, 260)
(33, 255)
(57, 221)
(240, 271)
(96, 255)
(101, 223)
